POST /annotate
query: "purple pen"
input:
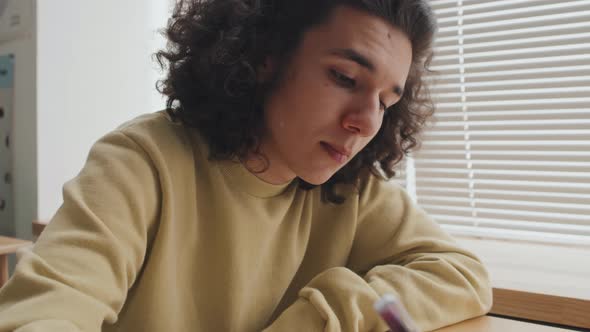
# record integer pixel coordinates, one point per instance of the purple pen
(394, 314)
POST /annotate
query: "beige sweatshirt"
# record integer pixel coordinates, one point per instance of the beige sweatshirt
(152, 236)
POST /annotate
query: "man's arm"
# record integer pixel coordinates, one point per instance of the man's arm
(78, 274)
(397, 249)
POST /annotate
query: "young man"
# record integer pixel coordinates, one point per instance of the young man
(257, 201)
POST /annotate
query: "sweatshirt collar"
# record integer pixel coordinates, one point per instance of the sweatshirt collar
(239, 176)
(247, 182)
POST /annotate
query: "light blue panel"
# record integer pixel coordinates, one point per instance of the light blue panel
(7, 222)
(6, 71)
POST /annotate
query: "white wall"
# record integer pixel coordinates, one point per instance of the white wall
(534, 267)
(94, 72)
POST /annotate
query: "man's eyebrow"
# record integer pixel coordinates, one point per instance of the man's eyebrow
(363, 61)
(352, 55)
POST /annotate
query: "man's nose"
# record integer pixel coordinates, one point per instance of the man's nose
(364, 118)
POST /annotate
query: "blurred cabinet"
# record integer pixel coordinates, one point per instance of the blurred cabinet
(18, 117)
(16, 17)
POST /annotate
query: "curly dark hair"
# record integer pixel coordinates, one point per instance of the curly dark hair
(211, 85)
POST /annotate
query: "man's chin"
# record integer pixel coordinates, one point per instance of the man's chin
(317, 180)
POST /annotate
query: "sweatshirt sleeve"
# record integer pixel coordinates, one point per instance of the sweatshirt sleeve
(397, 249)
(80, 269)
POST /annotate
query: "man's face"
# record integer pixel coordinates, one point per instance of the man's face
(332, 96)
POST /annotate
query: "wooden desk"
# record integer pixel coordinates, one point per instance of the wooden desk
(495, 324)
(8, 246)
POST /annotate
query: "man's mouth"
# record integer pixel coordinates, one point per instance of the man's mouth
(339, 154)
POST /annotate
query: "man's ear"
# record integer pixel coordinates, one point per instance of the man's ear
(265, 70)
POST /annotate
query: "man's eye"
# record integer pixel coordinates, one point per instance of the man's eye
(342, 79)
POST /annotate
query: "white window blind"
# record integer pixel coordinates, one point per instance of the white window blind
(509, 153)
